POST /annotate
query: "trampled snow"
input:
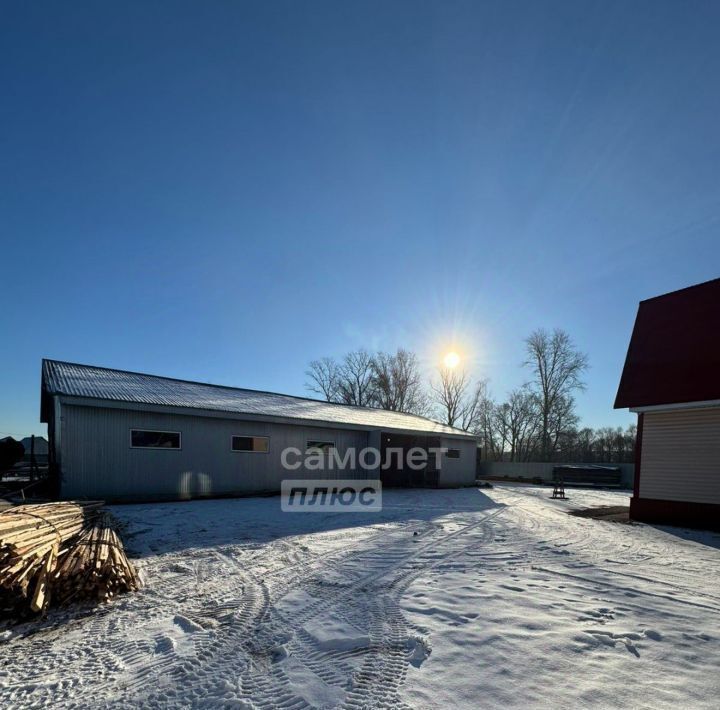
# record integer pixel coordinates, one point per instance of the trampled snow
(451, 598)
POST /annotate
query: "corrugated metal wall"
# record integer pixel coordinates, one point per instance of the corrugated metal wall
(458, 472)
(681, 455)
(97, 461)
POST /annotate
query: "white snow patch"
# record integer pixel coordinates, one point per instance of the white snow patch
(333, 634)
(492, 598)
(312, 689)
(295, 601)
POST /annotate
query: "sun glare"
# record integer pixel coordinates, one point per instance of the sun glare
(451, 360)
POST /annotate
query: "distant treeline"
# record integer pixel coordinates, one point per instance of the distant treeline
(586, 445)
(535, 422)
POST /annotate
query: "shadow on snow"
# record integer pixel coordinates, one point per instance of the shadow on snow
(160, 528)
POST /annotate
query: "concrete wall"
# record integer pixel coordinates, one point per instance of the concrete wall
(532, 469)
(681, 456)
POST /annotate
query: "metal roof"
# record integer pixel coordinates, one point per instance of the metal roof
(101, 383)
(674, 352)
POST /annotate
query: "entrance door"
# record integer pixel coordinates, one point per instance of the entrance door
(398, 473)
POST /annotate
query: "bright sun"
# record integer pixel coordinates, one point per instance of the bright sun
(451, 360)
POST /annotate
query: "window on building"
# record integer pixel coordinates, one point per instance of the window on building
(320, 447)
(252, 444)
(453, 453)
(149, 439)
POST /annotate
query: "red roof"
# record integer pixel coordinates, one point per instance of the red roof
(674, 353)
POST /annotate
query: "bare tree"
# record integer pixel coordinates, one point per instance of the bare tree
(630, 441)
(500, 427)
(472, 407)
(449, 393)
(355, 379)
(584, 440)
(397, 382)
(514, 426)
(603, 445)
(493, 437)
(459, 403)
(324, 379)
(562, 423)
(558, 368)
(522, 423)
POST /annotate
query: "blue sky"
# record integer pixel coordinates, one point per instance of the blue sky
(223, 191)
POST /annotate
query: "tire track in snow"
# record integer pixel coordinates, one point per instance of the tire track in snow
(147, 663)
(246, 658)
(374, 599)
(243, 646)
(377, 683)
(226, 647)
(234, 639)
(624, 547)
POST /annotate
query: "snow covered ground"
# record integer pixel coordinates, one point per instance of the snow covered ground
(456, 598)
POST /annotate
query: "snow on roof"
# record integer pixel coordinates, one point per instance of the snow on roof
(87, 381)
(674, 352)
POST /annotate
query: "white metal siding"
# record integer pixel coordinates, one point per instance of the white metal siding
(458, 472)
(681, 456)
(99, 463)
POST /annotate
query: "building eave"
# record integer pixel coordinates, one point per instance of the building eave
(247, 416)
(676, 405)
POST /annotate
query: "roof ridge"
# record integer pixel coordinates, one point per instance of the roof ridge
(680, 290)
(246, 389)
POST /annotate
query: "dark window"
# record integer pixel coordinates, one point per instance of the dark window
(320, 447)
(254, 444)
(146, 439)
(453, 453)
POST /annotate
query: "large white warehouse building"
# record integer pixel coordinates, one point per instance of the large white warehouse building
(120, 435)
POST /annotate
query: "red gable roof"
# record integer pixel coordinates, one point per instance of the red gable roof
(674, 353)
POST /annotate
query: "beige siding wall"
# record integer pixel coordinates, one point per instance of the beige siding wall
(681, 455)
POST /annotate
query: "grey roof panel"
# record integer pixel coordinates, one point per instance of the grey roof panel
(88, 381)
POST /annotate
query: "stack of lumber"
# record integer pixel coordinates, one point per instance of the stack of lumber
(66, 547)
(95, 567)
